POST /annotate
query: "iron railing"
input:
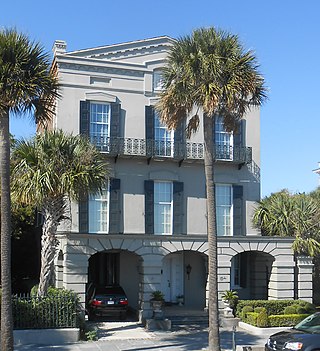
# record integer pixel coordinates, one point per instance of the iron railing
(33, 312)
(170, 149)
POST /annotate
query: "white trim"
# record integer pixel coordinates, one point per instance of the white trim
(100, 96)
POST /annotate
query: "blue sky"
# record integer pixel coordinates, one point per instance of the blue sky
(285, 35)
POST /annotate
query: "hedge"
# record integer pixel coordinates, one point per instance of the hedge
(284, 320)
(273, 307)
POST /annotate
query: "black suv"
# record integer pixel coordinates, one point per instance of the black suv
(305, 336)
(106, 301)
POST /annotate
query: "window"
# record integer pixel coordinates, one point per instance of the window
(223, 141)
(164, 138)
(99, 123)
(98, 212)
(157, 81)
(163, 207)
(235, 271)
(224, 210)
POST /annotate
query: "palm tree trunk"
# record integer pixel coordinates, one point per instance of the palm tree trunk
(209, 156)
(6, 299)
(53, 211)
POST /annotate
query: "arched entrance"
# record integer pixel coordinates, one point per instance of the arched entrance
(117, 267)
(250, 274)
(184, 273)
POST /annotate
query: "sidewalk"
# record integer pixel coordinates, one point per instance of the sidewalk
(130, 336)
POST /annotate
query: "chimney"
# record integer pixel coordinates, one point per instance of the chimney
(59, 47)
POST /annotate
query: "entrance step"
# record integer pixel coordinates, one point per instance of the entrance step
(187, 319)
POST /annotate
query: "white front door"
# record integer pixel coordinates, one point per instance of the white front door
(172, 277)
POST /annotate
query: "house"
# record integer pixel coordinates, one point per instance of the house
(148, 229)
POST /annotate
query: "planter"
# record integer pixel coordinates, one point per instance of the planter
(157, 306)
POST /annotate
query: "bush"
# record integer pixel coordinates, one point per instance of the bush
(60, 308)
(251, 318)
(290, 309)
(262, 319)
(286, 320)
(273, 307)
(245, 310)
(259, 309)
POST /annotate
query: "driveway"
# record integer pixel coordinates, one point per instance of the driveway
(131, 336)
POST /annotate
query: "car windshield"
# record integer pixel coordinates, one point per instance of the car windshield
(310, 324)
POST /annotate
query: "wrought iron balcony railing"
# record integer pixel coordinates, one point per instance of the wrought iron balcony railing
(170, 149)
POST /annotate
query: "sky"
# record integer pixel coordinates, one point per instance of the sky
(284, 34)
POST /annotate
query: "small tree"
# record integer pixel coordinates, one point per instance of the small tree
(26, 85)
(295, 215)
(49, 170)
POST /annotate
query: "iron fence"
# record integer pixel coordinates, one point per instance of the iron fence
(33, 312)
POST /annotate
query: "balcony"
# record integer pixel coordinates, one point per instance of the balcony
(130, 147)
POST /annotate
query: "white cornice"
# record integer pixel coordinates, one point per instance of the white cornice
(100, 96)
(127, 47)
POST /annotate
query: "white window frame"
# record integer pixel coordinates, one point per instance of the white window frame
(223, 139)
(157, 80)
(164, 146)
(224, 205)
(100, 138)
(159, 228)
(98, 214)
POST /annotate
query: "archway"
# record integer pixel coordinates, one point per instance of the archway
(250, 274)
(117, 267)
(185, 273)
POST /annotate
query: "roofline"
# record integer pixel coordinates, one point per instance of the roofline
(122, 44)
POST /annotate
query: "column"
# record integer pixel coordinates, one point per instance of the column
(305, 269)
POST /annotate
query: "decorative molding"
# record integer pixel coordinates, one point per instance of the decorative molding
(100, 96)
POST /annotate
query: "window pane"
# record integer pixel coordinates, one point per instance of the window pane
(224, 210)
(98, 212)
(99, 123)
(163, 138)
(223, 140)
(163, 207)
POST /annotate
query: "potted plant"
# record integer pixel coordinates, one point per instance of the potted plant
(180, 299)
(230, 298)
(157, 301)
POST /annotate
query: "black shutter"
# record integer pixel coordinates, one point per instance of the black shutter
(149, 206)
(237, 136)
(237, 209)
(114, 206)
(243, 270)
(177, 207)
(239, 153)
(115, 120)
(83, 214)
(179, 139)
(85, 117)
(149, 125)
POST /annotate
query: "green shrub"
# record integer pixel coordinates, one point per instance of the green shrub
(245, 310)
(59, 308)
(251, 318)
(273, 307)
(259, 309)
(290, 309)
(262, 319)
(286, 320)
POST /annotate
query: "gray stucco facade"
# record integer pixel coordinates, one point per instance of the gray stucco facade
(122, 78)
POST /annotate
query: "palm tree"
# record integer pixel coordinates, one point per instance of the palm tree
(211, 71)
(26, 85)
(49, 170)
(293, 215)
